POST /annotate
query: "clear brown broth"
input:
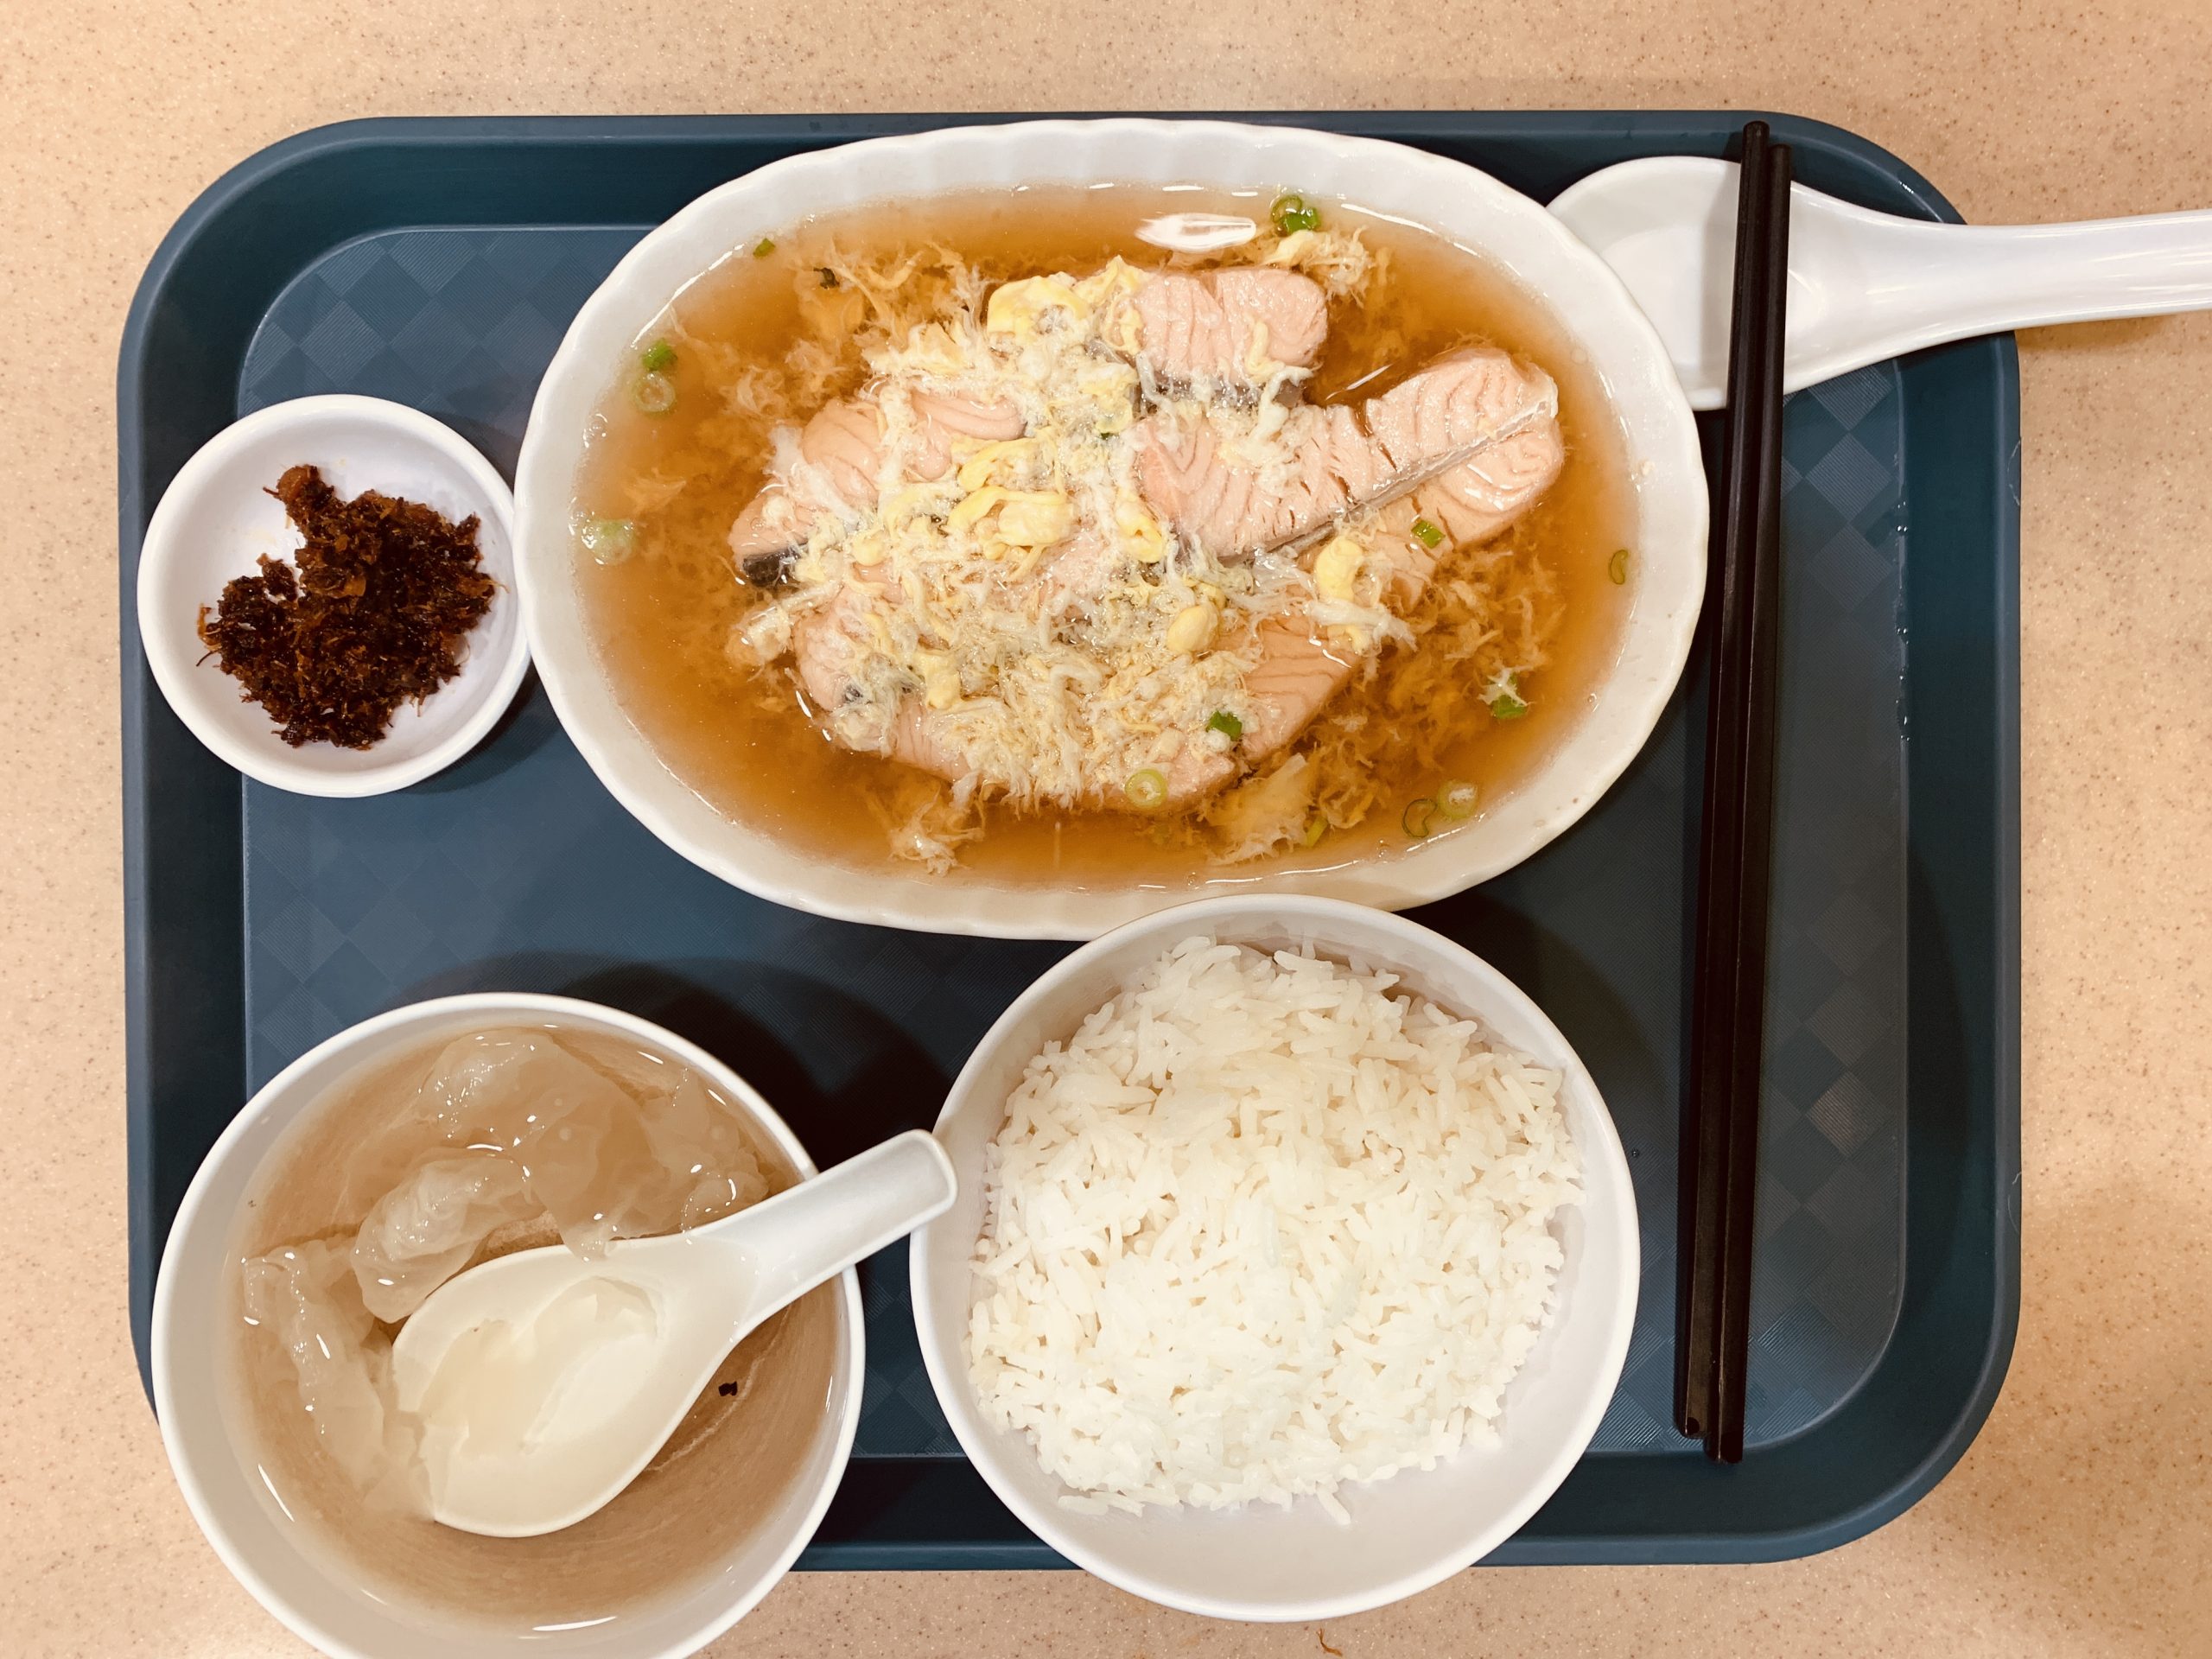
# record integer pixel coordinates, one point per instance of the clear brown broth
(730, 1465)
(742, 742)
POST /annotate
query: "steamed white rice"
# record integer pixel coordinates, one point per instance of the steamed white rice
(1263, 1227)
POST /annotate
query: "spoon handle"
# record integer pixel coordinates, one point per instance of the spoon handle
(815, 1231)
(1966, 280)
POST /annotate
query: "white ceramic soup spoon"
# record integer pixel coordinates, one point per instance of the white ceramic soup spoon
(545, 1381)
(1866, 286)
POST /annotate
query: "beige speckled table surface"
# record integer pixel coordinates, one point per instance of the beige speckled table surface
(2080, 1522)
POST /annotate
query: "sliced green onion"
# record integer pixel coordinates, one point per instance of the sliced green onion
(1316, 827)
(1294, 213)
(1418, 818)
(1427, 534)
(1616, 568)
(764, 247)
(654, 394)
(1146, 788)
(1226, 723)
(609, 541)
(1457, 798)
(658, 356)
(1506, 706)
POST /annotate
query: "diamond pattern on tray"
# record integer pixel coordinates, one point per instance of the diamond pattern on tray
(460, 323)
(516, 870)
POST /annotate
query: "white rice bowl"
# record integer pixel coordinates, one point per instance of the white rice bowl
(1260, 1228)
(1285, 1285)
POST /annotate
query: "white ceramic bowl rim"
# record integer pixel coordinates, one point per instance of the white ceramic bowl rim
(183, 1458)
(469, 706)
(1604, 1164)
(1512, 232)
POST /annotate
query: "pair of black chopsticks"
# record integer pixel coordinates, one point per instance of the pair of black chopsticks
(1728, 1003)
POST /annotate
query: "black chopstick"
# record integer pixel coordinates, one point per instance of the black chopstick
(1728, 1005)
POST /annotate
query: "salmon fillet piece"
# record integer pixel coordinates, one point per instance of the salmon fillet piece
(1214, 325)
(825, 646)
(1229, 326)
(1341, 456)
(1299, 669)
(844, 442)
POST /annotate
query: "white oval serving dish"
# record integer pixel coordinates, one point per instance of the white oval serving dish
(1506, 228)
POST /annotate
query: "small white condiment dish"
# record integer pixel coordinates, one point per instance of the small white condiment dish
(1408, 1532)
(217, 521)
(316, 1598)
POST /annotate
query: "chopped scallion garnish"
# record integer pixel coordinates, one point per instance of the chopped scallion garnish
(654, 394)
(1418, 818)
(1146, 788)
(1456, 799)
(1226, 723)
(764, 247)
(1506, 706)
(1294, 213)
(609, 541)
(1316, 827)
(1616, 568)
(1427, 534)
(657, 357)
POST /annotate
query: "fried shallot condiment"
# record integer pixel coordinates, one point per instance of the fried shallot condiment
(373, 616)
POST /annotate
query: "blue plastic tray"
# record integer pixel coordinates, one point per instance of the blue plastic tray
(438, 262)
